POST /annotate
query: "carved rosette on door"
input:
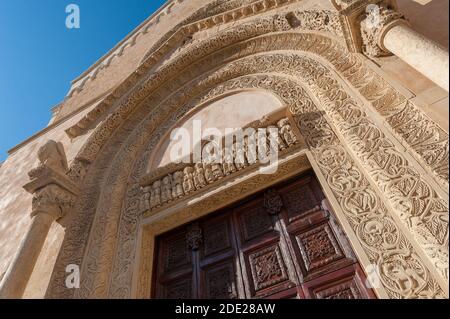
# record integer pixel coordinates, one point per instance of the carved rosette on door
(281, 243)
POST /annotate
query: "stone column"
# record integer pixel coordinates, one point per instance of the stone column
(19, 272)
(424, 55)
(53, 197)
(384, 32)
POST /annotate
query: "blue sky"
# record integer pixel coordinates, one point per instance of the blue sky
(39, 56)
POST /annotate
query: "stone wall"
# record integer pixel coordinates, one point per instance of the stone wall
(15, 203)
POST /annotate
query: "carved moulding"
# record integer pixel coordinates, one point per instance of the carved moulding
(92, 192)
(427, 141)
(361, 205)
(423, 211)
(316, 20)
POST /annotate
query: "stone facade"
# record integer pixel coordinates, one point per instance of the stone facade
(373, 126)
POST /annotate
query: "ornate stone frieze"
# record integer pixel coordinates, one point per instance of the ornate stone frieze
(176, 181)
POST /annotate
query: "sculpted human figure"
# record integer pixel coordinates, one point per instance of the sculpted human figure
(239, 156)
(281, 145)
(199, 176)
(209, 175)
(217, 171)
(228, 162)
(286, 132)
(166, 191)
(251, 151)
(188, 180)
(145, 199)
(155, 196)
(177, 185)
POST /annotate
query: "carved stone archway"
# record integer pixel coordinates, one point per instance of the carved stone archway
(389, 211)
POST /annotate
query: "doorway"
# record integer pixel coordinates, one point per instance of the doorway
(278, 244)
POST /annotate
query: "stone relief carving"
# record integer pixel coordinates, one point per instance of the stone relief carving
(197, 176)
(177, 185)
(188, 180)
(384, 238)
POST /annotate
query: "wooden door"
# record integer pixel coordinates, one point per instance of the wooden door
(281, 243)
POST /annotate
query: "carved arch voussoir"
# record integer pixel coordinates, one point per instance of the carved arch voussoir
(386, 246)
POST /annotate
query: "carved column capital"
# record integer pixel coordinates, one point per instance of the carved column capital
(53, 200)
(365, 22)
(53, 191)
(378, 21)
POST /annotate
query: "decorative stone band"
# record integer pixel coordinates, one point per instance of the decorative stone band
(176, 181)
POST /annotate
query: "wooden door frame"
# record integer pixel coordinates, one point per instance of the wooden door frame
(203, 204)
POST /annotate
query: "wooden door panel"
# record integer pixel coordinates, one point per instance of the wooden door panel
(346, 283)
(218, 239)
(267, 271)
(254, 222)
(179, 288)
(266, 262)
(176, 278)
(318, 251)
(220, 281)
(300, 198)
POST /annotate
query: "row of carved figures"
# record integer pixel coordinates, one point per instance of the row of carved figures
(195, 177)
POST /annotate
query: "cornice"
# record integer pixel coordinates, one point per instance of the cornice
(172, 43)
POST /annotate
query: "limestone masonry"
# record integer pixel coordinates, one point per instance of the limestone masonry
(357, 91)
